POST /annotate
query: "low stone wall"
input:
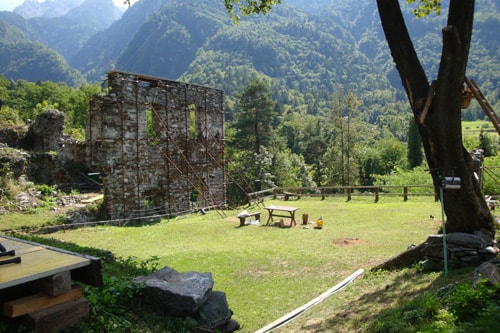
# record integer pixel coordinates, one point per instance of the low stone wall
(463, 249)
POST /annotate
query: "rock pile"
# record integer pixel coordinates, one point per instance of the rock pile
(463, 249)
(188, 295)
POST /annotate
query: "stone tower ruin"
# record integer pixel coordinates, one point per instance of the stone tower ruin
(158, 146)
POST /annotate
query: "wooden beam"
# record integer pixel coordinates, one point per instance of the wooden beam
(38, 302)
(57, 318)
(428, 101)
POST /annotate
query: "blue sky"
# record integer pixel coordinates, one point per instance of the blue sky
(11, 4)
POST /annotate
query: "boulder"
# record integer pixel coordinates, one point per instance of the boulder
(215, 312)
(489, 271)
(174, 293)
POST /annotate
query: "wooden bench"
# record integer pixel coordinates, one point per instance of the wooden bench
(245, 216)
(289, 195)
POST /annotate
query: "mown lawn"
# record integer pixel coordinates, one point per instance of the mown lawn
(267, 272)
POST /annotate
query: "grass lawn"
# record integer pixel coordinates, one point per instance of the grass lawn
(267, 272)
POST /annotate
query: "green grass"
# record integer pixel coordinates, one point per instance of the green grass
(474, 127)
(267, 272)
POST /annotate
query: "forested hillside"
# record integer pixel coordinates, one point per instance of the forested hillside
(308, 49)
(22, 58)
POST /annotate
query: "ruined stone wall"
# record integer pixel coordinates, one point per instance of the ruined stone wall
(157, 144)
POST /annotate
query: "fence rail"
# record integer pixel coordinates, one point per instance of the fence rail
(405, 191)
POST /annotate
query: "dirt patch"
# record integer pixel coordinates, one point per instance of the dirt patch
(341, 242)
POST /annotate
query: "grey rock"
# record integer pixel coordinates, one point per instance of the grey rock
(466, 240)
(433, 251)
(489, 250)
(434, 239)
(174, 293)
(488, 271)
(215, 311)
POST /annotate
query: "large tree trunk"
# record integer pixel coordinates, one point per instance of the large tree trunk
(439, 122)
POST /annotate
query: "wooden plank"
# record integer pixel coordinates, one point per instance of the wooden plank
(57, 317)
(38, 302)
(90, 274)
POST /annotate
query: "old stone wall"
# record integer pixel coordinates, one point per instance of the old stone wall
(158, 145)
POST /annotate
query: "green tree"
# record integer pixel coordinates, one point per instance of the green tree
(486, 144)
(254, 116)
(437, 106)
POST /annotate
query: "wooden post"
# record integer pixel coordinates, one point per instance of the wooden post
(376, 193)
(405, 193)
(348, 190)
(275, 194)
(305, 219)
(322, 194)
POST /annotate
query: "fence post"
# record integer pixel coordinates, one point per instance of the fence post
(275, 194)
(348, 190)
(405, 193)
(322, 194)
(376, 193)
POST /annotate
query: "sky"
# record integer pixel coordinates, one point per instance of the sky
(11, 4)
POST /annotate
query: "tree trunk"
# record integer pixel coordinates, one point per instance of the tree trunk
(437, 109)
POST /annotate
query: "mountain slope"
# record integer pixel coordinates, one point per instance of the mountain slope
(48, 8)
(20, 58)
(99, 54)
(167, 43)
(67, 34)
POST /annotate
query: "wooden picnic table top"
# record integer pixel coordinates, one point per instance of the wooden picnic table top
(283, 208)
(37, 262)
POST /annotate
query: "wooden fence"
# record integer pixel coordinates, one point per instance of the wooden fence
(405, 191)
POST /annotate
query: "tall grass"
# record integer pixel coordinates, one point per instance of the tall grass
(269, 271)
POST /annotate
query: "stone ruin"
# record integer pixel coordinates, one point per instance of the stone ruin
(158, 146)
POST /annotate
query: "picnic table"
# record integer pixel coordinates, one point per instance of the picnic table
(281, 211)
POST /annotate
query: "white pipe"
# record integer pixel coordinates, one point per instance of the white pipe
(295, 313)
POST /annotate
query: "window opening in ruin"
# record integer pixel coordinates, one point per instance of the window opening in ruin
(151, 127)
(192, 121)
(193, 198)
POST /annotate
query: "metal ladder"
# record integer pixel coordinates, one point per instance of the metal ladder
(478, 95)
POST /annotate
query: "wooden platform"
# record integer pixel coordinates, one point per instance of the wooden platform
(38, 292)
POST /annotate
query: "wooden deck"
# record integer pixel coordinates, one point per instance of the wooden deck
(38, 291)
(37, 262)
